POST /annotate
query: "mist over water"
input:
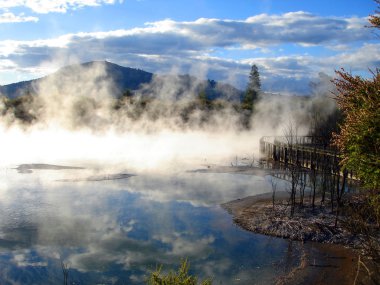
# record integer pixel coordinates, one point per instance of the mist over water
(115, 232)
(77, 123)
(131, 203)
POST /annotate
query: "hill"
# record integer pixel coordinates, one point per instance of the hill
(122, 78)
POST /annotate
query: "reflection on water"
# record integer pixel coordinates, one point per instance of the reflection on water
(116, 231)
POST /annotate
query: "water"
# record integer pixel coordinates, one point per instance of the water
(117, 231)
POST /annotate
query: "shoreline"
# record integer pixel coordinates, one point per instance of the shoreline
(256, 214)
(328, 255)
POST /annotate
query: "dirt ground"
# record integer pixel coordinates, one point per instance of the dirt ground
(319, 263)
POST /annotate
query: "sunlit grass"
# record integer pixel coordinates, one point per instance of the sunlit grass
(181, 277)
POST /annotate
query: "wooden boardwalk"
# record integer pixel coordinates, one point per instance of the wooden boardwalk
(302, 151)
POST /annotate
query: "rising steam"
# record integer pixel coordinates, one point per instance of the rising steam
(79, 121)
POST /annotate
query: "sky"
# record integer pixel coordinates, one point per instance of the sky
(291, 41)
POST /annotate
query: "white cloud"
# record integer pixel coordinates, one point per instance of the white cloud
(292, 72)
(360, 59)
(168, 45)
(48, 6)
(199, 37)
(12, 18)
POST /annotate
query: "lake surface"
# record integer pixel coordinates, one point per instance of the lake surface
(116, 231)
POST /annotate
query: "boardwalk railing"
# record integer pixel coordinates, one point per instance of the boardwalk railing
(305, 151)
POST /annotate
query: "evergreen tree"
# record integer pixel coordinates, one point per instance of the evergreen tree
(202, 98)
(254, 79)
(253, 89)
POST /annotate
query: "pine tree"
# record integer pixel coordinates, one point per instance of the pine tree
(254, 79)
(253, 89)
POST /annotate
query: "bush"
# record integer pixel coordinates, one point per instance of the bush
(181, 277)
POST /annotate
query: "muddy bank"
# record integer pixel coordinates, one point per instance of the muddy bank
(257, 214)
(326, 253)
(322, 264)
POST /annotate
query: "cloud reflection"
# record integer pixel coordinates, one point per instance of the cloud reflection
(119, 230)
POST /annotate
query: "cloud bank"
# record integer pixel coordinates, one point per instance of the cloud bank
(210, 48)
(57, 6)
(12, 18)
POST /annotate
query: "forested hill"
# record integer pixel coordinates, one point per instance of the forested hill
(122, 79)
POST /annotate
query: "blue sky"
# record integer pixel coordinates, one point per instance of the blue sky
(291, 41)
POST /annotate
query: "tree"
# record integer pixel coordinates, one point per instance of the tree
(292, 165)
(253, 89)
(254, 79)
(359, 145)
(202, 98)
(127, 93)
(359, 138)
(375, 19)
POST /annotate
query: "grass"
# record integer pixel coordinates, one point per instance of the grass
(181, 277)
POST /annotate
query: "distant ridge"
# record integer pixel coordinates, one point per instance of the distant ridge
(126, 78)
(123, 77)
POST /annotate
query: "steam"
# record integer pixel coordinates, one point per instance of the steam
(77, 122)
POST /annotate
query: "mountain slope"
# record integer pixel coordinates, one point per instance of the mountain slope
(120, 79)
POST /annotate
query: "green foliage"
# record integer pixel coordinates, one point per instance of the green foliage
(359, 138)
(127, 93)
(203, 100)
(23, 108)
(181, 277)
(253, 89)
(359, 144)
(254, 79)
(374, 202)
(375, 19)
(249, 100)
